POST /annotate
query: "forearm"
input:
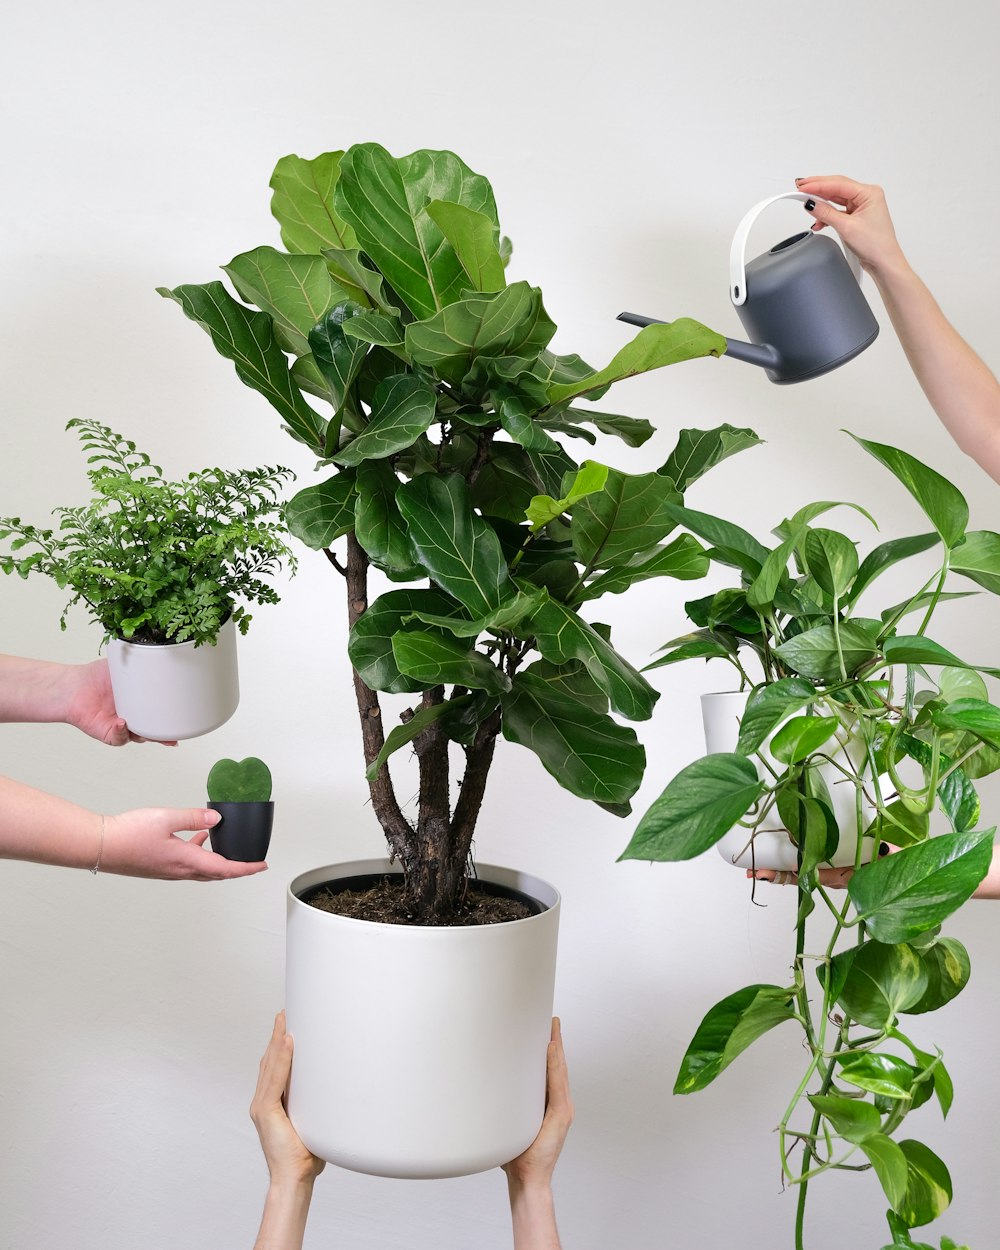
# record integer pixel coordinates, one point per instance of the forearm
(959, 386)
(34, 690)
(46, 830)
(533, 1217)
(283, 1224)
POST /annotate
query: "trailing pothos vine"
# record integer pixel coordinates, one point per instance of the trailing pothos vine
(845, 698)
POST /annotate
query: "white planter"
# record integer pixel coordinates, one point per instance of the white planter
(772, 847)
(175, 690)
(419, 1052)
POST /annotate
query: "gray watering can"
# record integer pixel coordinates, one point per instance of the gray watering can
(800, 303)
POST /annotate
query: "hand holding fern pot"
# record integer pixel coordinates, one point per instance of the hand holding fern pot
(166, 568)
(241, 793)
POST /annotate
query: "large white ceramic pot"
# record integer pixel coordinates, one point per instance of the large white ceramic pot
(175, 690)
(419, 1052)
(772, 847)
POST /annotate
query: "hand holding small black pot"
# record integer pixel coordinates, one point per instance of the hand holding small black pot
(241, 794)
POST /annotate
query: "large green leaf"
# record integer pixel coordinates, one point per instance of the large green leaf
(351, 270)
(907, 893)
(505, 618)
(895, 823)
(701, 644)
(973, 716)
(632, 513)
(928, 1185)
(404, 406)
(948, 969)
(476, 240)
(378, 329)
(385, 200)
(588, 479)
(434, 659)
(832, 561)
(561, 636)
(772, 576)
(571, 680)
(323, 513)
(880, 982)
(297, 291)
(885, 1075)
(814, 653)
(702, 803)
(801, 736)
(684, 558)
(728, 1029)
(916, 649)
(378, 524)
(652, 348)
(633, 431)
(247, 339)
(944, 504)
(697, 451)
(303, 203)
(370, 644)
(889, 1164)
(978, 557)
(944, 1090)
(768, 706)
(588, 753)
(733, 545)
(338, 359)
(885, 556)
(853, 1120)
(510, 322)
(461, 550)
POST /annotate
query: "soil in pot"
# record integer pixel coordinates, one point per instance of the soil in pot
(379, 897)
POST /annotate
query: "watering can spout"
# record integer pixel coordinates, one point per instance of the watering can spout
(761, 354)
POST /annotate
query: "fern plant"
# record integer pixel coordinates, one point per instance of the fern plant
(156, 561)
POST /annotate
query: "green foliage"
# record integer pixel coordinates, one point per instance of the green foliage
(840, 700)
(444, 411)
(243, 781)
(154, 560)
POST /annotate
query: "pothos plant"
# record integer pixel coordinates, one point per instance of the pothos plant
(838, 688)
(441, 434)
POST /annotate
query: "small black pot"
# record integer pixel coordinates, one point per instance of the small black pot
(244, 832)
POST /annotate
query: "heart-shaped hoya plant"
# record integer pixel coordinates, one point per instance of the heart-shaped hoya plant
(243, 781)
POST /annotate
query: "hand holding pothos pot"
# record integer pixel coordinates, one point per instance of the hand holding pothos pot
(840, 699)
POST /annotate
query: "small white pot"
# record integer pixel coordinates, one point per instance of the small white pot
(772, 847)
(175, 690)
(419, 1052)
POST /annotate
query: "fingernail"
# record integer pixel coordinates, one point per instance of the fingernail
(211, 817)
(798, 180)
(809, 205)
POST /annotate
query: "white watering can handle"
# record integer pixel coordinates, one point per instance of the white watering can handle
(738, 252)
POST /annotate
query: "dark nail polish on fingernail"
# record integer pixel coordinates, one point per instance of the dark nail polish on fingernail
(809, 205)
(798, 180)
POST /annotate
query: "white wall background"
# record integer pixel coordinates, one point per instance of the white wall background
(623, 143)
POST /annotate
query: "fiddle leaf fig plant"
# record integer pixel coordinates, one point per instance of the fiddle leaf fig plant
(442, 429)
(847, 695)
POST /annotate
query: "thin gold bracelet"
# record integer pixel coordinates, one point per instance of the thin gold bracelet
(100, 851)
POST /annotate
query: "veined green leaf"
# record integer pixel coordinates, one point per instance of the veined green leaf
(889, 1165)
(801, 736)
(888, 554)
(815, 653)
(898, 825)
(633, 431)
(977, 557)
(907, 893)
(702, 803)
(728, 1029)
(511, 322)
(370, 644)
(928, 1185)
(590, 477)
(878, 1074)
(943, 503)
(957, 794)
(916, 649)
(561, 635)
(684, 558)
(832, 561)
(378, 329)
(461, 551)
(385, 199)
(853, 1120)
(403, 408)
(303, 203)
(881, 981)
(948, 969)
(697, 451)
(588, 753)
(323, 513)
(434, 659)
(378, 524)
(476, 240)
(732, 544)
(247, 339)
(297, 291)
(652, 348)
(973, 716)
(364, 285)
(944, 1090)
(768, 706)
(505, 618)
(631, 513)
